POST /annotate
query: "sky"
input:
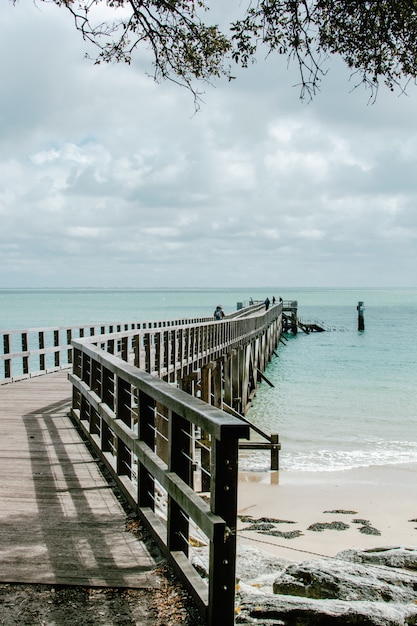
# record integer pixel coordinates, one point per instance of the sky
(108, 179)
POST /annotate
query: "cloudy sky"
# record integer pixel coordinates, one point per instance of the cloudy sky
(107, 179)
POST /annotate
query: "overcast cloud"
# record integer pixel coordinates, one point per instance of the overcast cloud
(108, 179)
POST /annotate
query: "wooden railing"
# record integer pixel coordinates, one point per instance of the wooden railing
(33, 351)
(173, 455)
(143, 430)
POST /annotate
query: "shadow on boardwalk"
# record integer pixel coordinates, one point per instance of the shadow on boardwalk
(62, 527)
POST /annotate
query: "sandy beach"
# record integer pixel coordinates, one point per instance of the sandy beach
(361, 509)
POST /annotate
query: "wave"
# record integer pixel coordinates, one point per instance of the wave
(334, 460)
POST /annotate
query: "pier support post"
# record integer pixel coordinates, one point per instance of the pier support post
(275, 448)
(361, 320)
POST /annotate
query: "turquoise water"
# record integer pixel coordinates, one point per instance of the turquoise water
(346, 399)
(341, 399)
(21, 308)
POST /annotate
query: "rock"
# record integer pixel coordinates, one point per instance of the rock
(290, 611)
(365, 527)
(327, 592)
(343, 580)
(358, 587)
(252, 563)
(320, 526)
(391, 556)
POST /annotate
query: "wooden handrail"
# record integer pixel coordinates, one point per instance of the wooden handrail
(123, 401)
(31, 351)
(116, 405)
(125, 412)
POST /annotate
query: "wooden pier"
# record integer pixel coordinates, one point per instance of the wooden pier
(163, 406)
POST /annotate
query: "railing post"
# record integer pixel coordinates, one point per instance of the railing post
(136, 350)
(237, 377)
(25, 359)
(275, 448)
(146, 433)
(181, 343)
(125, 349)
(162, 432)
(148, 355)
(7, 362)
(69, 353)
(86, 369)
(107, 387)
(223, 499)
(206, 380)
(174, 353)
(158, 356)
(217, 378)
(166, 350)
(42, 363)
(56, 345)
(180, 463)
(124, 399)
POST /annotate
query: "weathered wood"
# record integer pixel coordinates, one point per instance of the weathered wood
(111, 397)
(184, 507)
(361, 318)
(28, 352)
(60, 521)
(262, 375)
(223, 555)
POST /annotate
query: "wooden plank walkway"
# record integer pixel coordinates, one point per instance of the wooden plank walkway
(60, 522)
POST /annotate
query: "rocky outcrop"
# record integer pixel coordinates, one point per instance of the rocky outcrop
(391, 556)
(358, 587)
(293, 611)
(326, 592)
(339, 579)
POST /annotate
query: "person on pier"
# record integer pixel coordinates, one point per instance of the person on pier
(218, 313)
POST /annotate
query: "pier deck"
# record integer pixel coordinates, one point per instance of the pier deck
(60, 521)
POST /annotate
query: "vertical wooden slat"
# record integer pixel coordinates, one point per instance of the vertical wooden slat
(123, 402)
(69, 338)
(158, 359)
(136, 350)
(166, 350)
(25, 359)
(146, 433)
(148, 355)
(124, 349)
(218, 384)
(41, 344)
(56, 344)
(180, 463)
(107, 382)
(7, 362)
(206, 386)
(162, 431)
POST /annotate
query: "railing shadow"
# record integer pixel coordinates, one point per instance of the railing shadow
(79, 525)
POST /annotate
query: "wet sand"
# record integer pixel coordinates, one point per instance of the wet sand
(362, 509)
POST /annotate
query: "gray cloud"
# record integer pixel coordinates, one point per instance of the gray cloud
(109, 179)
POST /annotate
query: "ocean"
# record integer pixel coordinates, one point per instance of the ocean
(341, 399)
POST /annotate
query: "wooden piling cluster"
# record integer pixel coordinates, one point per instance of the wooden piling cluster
(290, 316)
